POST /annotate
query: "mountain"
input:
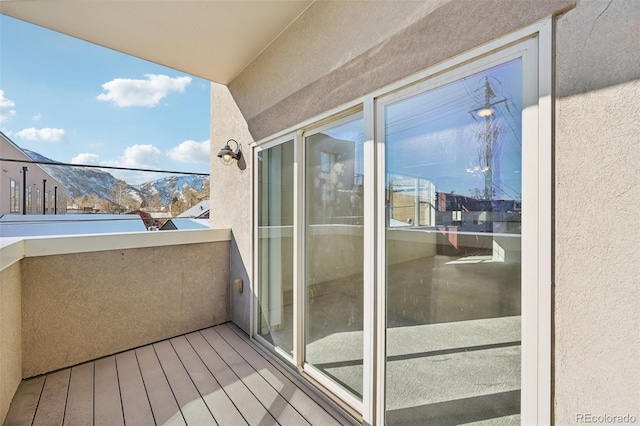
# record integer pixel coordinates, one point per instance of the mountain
(79, 181)
(173, 186)
(83, 181)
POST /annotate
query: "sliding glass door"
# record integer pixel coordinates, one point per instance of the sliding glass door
(334, 251)
(275, 245)
(425, 323)
(453, 215)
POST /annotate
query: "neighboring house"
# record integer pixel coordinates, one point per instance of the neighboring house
(183, 223)
(69, 224)
(199, 211)
(197, 217)
(42, 194)
(517, 101)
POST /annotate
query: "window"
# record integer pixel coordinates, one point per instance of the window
(405, 269)
(38, 201)
(14, 206)
(29, 200)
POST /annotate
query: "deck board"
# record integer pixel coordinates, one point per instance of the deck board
(250, 408)
(24, 404)
(223, 410)
(208, 377)
(135, 404)
(107, 406)
(272, 400)
(53, 399)
(302, 402)
(193, 408)
(79, 409)
(163, 404)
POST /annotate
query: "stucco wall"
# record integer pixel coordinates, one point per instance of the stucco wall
(231, 195)
(10, 338)
(319, 63)
(597, 314)
(325, 37)
(71, 313)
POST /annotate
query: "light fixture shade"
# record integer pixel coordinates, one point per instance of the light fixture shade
(227, 155)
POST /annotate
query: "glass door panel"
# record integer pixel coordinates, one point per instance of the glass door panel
(275, 245)
(334, 252)
(452, 234)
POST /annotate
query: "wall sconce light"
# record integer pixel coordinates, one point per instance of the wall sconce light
(227, 155)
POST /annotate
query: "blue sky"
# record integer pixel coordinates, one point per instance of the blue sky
(74, 101)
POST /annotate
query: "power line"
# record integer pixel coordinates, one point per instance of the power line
(90, 166)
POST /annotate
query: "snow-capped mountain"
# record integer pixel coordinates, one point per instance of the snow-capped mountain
(81, 181)
(173, 186)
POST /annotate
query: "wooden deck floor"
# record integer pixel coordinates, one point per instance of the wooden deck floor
(213, 376)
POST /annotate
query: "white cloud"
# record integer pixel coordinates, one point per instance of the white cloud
(7, 109)
(86, 158)
(42, 135)
(190, 152)
(135, 156)
(125, 92)
(140, 156)
(37, 117)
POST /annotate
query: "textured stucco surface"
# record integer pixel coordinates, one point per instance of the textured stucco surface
(451, 29)
(10, 337)
(597, 314)
(323, 38)
(82, 306)
(231, 195)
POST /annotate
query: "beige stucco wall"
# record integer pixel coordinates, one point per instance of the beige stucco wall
(231, 195)
(71, 313)
(597, 314)
(325, 37)
(322, 62)
(10, 337)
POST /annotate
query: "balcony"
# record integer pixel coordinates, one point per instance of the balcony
(134, 328)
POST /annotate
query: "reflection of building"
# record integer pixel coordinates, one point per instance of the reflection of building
(27, 188)
(335, 190)
(473, 215)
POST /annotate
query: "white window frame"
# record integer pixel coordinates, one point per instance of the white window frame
(536, 380)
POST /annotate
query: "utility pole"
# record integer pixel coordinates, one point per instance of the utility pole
(489, 144)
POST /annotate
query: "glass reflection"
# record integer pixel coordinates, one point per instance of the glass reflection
(334, 252)
(275, 245)
(453, 214)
